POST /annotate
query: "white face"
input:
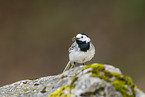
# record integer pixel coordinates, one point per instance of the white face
(83, 38)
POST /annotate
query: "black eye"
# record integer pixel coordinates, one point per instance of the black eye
(82, 37)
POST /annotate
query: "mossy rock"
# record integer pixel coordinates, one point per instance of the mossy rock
(95, 80)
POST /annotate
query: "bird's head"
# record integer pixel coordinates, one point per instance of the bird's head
(82, 37)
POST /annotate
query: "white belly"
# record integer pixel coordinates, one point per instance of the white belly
(80, 56)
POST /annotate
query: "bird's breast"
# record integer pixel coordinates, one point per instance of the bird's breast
(84, 46)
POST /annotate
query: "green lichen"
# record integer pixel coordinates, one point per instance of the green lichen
(63, 77)
(61, 93)
(25, 82)
(68, 88)
(120, 86)
(26, 90)
(43, 90)
(73, 81)
(123, 80)
(95, 66)
(34, 89)
(98, 70)
(128, 81)
(33, 78)
(120, 82)
(36, 84)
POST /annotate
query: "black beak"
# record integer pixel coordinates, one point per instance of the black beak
(75, 38)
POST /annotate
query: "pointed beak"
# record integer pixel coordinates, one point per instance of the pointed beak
(74, 38)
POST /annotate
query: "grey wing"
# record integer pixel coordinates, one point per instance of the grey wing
(74, 46)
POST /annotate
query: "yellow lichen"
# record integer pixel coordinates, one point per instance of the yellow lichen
(26, 90)
(61, 93)
(120, 82)
(120, 86)
(95, 66)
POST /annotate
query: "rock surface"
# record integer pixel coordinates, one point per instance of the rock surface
(95, 80)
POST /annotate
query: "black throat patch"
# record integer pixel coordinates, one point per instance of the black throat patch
(83, 45)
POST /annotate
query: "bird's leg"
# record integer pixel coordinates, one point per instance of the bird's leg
(68, 66)
(72, 65)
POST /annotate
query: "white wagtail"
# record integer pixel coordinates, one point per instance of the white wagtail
(81, 51)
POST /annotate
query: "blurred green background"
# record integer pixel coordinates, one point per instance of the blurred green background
(35, 36)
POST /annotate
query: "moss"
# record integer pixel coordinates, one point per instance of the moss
(68, 88)
(72, 85)
(33, 78)
(36, 84)
(43, 90)
(34, 89)
(126, 81)
(108, 74)
(95, 66)
(73, 81)
(60, 92)
(120, 82)
(100, 76)
(26, 90)
(116, 74)
(25, 82)
(98, 70)
(119, 86)
(63, 77)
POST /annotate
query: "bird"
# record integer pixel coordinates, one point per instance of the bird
(81, 51)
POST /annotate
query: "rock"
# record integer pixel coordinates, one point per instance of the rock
(95, 80)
